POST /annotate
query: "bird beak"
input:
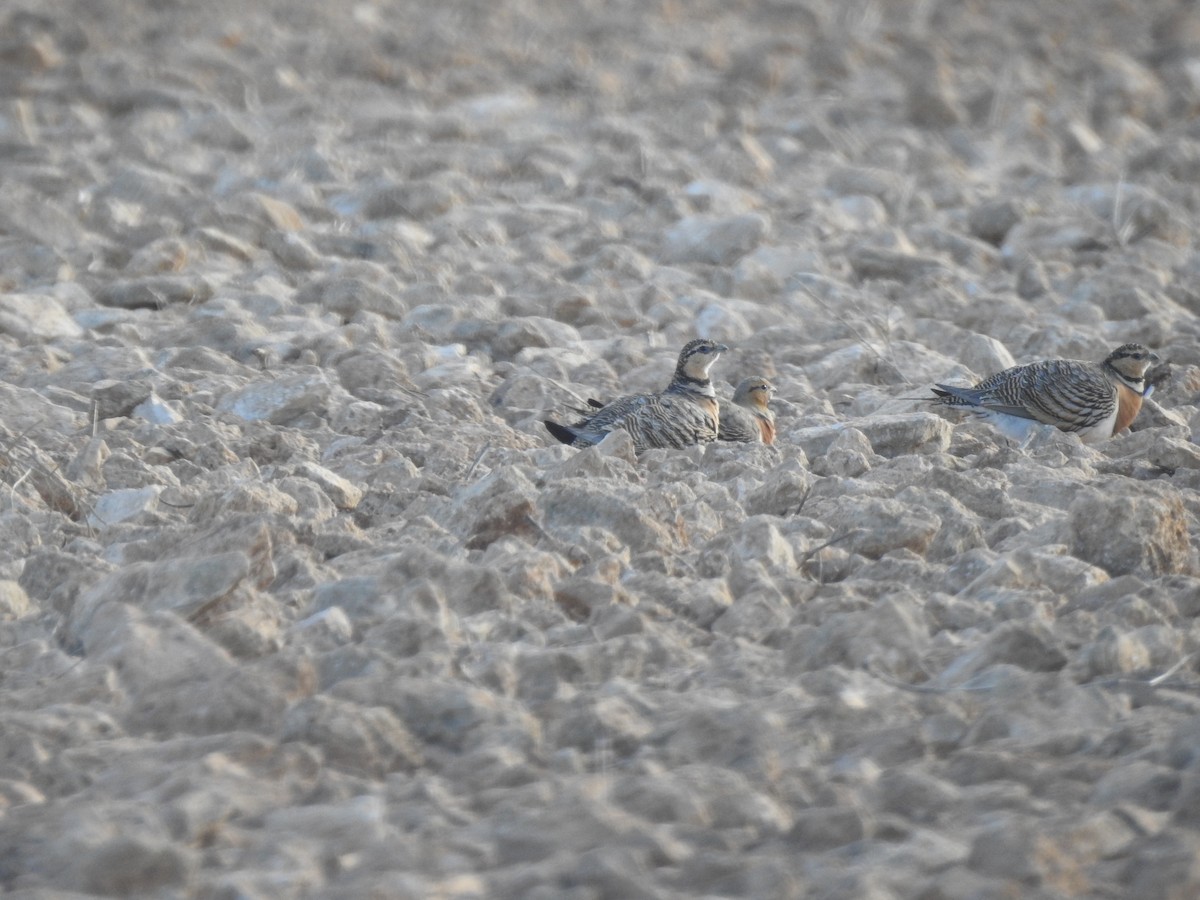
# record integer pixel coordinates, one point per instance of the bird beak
(1154, 357)
(721, 348)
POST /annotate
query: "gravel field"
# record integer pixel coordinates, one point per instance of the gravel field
(298, 597)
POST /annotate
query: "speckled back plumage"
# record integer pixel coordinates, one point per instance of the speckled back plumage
(683, 414)
(747, 418)
(1094, 400)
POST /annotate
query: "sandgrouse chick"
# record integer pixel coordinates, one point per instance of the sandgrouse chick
(747, 418)
(1094, 400)
(685, 413)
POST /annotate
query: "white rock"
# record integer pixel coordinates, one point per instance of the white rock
(720, 322)
(329, 626)
(462, 370)
(717, 241)
(343, 493)
(160, 412)
(124, 504)
(895, 435)
(1131, 527)
(280, 400)
(495, 109)
(781, 262)
(985, 355)
(14, 602)
(719, 197)
(182, 586)
(32, 318)
(25, 410)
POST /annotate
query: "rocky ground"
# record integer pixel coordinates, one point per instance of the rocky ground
(297, 597)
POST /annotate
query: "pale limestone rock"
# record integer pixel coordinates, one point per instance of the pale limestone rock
(122, 505)
(280, 400)
(350, 295)
(1131, 530)
(155, 292)
(896, 435)
(158, 411)
(31, 318)
(187, 587)
(14, 602)
(370, 739)
(26, 410)
(344, 493)
(713, 240)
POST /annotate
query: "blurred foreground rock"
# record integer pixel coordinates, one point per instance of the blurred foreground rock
(299, 599)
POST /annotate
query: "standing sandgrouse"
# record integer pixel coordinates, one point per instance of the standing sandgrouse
(1094, 400)
(685, 413)
(747, 418)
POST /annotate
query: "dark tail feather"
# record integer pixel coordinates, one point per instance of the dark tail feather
(590, 409)
(940, 395)
(560, 432)
(956, 396)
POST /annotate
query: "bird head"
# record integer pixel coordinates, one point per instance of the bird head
(697, 357)
(754, 391)
(1131, 361)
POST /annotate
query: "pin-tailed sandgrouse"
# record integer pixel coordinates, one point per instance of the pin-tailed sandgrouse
(685, 413)
(1094, 400)
(748, 418)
